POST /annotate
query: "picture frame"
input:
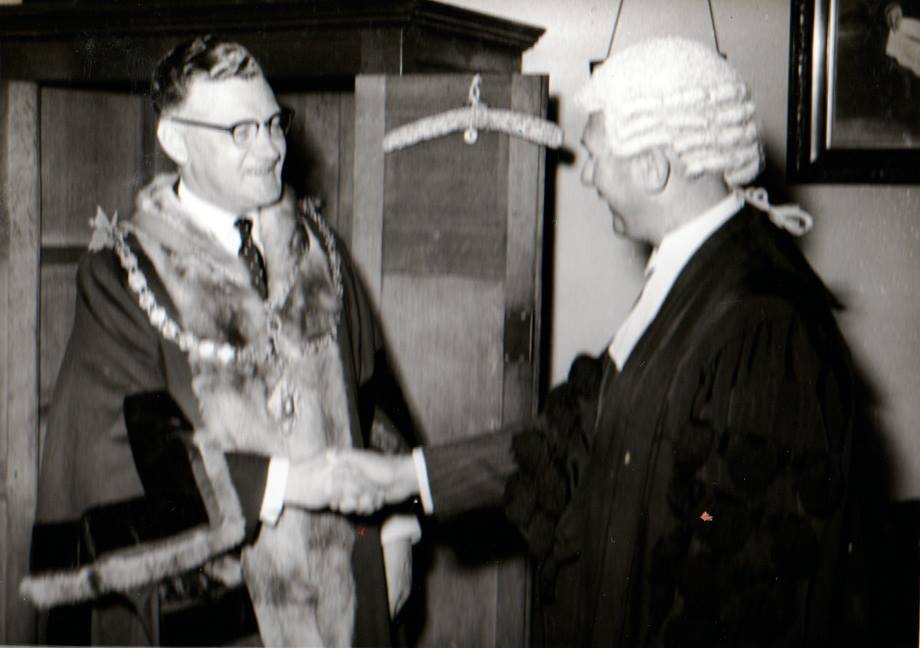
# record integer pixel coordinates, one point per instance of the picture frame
(854, 93)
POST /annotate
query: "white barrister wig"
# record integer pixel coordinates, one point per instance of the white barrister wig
(680, 93)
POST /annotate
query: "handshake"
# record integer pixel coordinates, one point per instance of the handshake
(351, 481)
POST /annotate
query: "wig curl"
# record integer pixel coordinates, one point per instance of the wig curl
(678, 93)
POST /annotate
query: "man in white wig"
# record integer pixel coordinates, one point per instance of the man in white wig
(690, 487)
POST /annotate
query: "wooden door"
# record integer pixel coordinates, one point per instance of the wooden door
(448, 237)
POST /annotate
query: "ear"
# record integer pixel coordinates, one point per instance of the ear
(651, 170)
(173, 142)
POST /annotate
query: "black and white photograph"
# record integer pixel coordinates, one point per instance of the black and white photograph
(876, 74)
(854, 83)
(467, 323)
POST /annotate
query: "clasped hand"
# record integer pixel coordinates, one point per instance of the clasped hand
(350, 481)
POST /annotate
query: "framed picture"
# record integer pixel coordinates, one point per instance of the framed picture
(854, 91)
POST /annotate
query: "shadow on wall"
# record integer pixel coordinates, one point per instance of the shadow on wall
(555, 158)
(889, 530)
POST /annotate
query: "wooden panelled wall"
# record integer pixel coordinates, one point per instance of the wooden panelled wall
(19, 249)
(446, 235)
(449, 239)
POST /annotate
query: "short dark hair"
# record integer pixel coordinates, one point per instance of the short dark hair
(204, 56)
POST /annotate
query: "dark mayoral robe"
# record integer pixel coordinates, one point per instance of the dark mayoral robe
(115, 476)
(704, 496)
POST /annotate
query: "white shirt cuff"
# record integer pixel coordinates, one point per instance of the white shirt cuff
(424, 487)
(275, 485)
(400, 527)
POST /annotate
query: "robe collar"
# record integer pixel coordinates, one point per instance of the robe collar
(664, 266)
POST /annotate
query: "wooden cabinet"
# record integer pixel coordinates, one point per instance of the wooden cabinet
(448, 236)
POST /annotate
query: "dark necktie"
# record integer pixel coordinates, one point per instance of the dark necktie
(253, 258)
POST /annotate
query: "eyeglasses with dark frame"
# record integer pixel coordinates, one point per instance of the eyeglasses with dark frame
(244, 132)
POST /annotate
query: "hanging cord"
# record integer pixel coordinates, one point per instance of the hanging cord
(477, 116)
(613, 32)
(791, 218)
(715, 34)
(712, 24)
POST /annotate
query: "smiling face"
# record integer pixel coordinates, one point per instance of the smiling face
(235, 178)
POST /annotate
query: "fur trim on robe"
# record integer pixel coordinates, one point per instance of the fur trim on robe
(298, 573)
(134, 567)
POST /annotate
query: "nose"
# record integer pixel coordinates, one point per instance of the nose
(266, 146)
(587, 173)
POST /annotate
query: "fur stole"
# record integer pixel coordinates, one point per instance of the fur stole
(284, 395)
(289, 402)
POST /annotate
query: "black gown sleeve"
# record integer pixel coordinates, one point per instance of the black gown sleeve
(117, 468)
(758, 489)
(531, 468)
(160, 438)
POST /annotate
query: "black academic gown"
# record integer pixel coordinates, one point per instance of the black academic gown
(708, 496)
(108, 483)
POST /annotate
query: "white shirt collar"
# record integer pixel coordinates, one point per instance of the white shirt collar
(215, 221)
(664, 266)
(678, 245)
